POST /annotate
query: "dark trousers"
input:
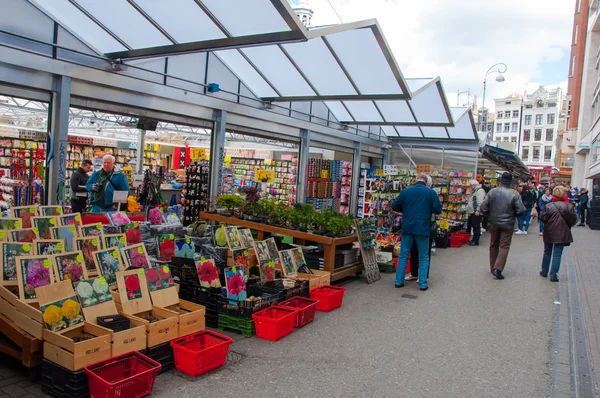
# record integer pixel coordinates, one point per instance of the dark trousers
(499, 246)
(414, 259)
(476, 225)
(78, 206)
(582, 216)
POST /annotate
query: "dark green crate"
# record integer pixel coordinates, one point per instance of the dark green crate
(242, 325)
(386, 268)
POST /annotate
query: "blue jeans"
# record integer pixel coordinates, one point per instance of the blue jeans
(98, 209)
(554, 251)
(423, 245)
(541, 227)
(524, 219)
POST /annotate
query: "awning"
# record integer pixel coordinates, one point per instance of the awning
(464, 128)
(506, 160)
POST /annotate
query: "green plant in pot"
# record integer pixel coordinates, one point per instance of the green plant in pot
(279, 214)
(320, 221)
(251, 196)
(264, 207)
(302, 216)
(230, 202)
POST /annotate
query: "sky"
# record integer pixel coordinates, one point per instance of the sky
(459, 40)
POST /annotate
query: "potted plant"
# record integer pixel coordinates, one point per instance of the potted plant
(279, 214)
(320, 220)
(230, 202)
(339, 225)
(302, 216)
(251, 196)
(264, 207)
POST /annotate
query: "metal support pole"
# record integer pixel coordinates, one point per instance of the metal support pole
(217, 156)
(355, 178)
(56, 148)
(139, 167)
(386, 157)
(443, 157)
(303, 166)
(481, 123)
(476, 162)
(408, 156)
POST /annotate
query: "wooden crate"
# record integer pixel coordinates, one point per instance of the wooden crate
(191, 317)
(316, 279)
(325, 276)
(166, 329)
(19, 344)
(24, 316)
(61, 349)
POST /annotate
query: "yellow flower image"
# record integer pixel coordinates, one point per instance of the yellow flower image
(70, 309)
(53, 315)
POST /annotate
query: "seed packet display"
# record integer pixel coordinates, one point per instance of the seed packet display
(50, 210)
(33, 272)
(184, 248)
(267, 271)
(234, 281)
(70, 219)
(166, 247)
(23, 235)
(262, 250)
(246, 238)
(241, 259)
(272, 248)
(25, 213)
(67, 233)
(287, 263)
(9, 251)
(159, 278)
(62, 314)
(115, 240)
(135, 256)
(48, 247)
(44, 224)
(92, 291)
(207, 273)
(11, 223)
(88, 246)
(108, 263)
(233, 238)
(133, 290)
(299, 261)
(69, 266)
(91, 230)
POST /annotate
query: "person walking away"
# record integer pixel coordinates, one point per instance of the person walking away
(528, 200)
(486, 189)
(584, 201)
(103, 183)
(475, 201)
(544, 200)
(417, 204)
(502, 205)
(558, 217)
(414, 251)
(79, 193)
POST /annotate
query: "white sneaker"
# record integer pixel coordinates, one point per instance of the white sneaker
(482, 230)
(541, 233)
(519, 232)
(524, 232)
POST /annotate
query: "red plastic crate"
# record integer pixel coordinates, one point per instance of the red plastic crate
(129, 375)
(200, 352)
(456, 241)
(274, 322)
(330, 297)
(465, 237)
(306, 309)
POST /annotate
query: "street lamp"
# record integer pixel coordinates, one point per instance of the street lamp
(499, 68)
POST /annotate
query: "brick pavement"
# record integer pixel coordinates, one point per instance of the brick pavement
(15, 381)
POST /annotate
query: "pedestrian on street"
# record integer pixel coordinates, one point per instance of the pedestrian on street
(79, 193)
(558, 217)
(544, 200)
(584, 201)
(475, 201)
(414, 251)
(502, 205)
(528, 200)
(417, 205)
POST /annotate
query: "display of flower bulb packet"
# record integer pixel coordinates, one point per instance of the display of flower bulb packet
(159, 278)
(184, 248)
(155, 216)
(61, 314)
(118, 218)
(92, 291)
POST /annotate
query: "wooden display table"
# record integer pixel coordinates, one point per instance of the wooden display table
(329, 244)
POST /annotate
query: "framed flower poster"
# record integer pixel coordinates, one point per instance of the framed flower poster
(43, 225)
(33, 272)
(62, 314)
(25, 213)
(69, 266)
(133, 289)
(108, 263)
(241, 259)
(272, 248)
(159, 278)
(233, 238)
(287, 263)
(207, 273)
(70, 219)
(267, 271)
(118, 218)
(88, 246)
(246, 238)
(91, 230)
(11, 223)
(262, 250)
(135, 256)
(115, 240)
(166, 247)
(299, 261)
(92, 291)
(23, 235)
(48, 247)
(67, 233)
(234, 281)
(184, 248)
(9, 251)
(50, 210)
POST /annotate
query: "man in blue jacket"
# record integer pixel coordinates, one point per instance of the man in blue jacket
(416, 204)
(103, 183)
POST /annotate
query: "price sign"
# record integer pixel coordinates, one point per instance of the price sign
(324, 173)
(390, 170)
(197, 154)
(444, 225)
(424, 168)
(263, 175)
(379, 172)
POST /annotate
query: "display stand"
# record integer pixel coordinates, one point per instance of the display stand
(368, 254)
(329, 244)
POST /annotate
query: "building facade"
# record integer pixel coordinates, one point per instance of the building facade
(508, 119)
(304, 12)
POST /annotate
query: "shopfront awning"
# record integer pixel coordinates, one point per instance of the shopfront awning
(463, 130)
(151, 28)
(506, 160)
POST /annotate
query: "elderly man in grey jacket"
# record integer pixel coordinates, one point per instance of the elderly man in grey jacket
(502, 205)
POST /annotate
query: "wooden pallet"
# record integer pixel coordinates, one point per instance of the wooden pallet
(19, 344)
(369, 258)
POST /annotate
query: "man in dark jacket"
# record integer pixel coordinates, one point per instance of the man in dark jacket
(584, 200)
(416, 204)
(502, 205)
(79, 193)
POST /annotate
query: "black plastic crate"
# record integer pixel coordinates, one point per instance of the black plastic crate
(163, 354)
(245, 308)
(301, 288)
(117, 323)
(60, 382)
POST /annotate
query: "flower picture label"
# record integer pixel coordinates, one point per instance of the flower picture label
(27, 247)
(122, 240)
(95, 242)
(18, 224)
(60, 246)
(77, 218)
(115, 254)
(80, 257)
(140, 250)
(32, 209)
(61, 314)
(52, 221)
(236, 286)
(132, 286)
(72, 228)
(99, 227)
(46, 263)
(59, 210)
(35, 230)
(92, 291)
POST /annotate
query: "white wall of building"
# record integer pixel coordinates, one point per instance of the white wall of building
(508, 120)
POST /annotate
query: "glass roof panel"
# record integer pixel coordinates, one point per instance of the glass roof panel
(363, 58)
(364, 111)
(390, 131)
(320, 67)
(69, 16)
(463, 129)
(278, 69)
(338, 110)
(457, 112)
(125, 22)
(434, 132)
(428, 106)
(416, 84)
(242, 18)
(409, 131)
(238, 65)
(395, 111)
(184, 20)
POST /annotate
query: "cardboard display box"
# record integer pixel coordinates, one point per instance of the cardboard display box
(24, 316)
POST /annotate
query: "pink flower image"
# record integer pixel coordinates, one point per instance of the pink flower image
(236, 285)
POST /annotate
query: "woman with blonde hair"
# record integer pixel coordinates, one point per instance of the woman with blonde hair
(558, 218)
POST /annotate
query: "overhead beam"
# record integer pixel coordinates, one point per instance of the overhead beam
(56, 148)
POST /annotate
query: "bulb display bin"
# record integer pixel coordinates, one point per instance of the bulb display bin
(130, 375)
(201, 352)
(274, 322)
(330, 297)
(161, 325)
(191, 317)
(306, 309)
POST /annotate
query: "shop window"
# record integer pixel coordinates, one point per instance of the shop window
(539, 119)
(515, 113)
(548, 154)
(527, 135)
(525, 155)
(549, 134)
(527, 120)
(514, 127)
(538, 135)
(536, 153)
(551, 118)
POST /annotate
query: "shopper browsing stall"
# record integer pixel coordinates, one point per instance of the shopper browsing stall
(475, 201)
(103, 183)
(79, 192)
